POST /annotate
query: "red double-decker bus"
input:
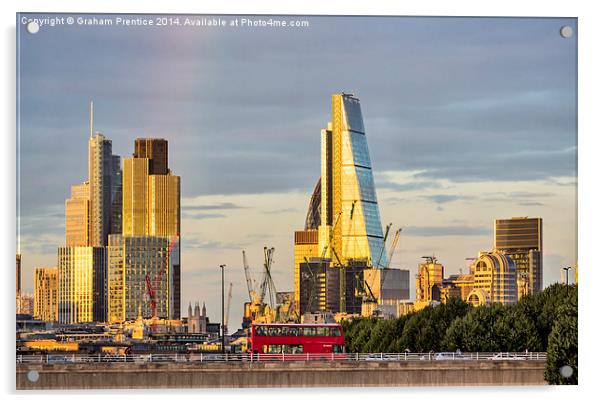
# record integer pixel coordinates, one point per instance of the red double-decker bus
(287, 338)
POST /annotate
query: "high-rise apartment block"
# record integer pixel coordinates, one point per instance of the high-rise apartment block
(46, 294)
(82, 273)
(521, 239)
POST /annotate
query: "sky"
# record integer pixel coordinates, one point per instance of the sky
(467, 120)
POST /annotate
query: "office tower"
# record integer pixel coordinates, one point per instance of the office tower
(494, 279)
(343, 210)
(143, 269)
(163, 212)
(100, 158)
(156, 152)
(306, 245)
(135, 185)
(46, 294)
(116, 195)
(150, 243)
(82, 275)
(77, 216)
(349, 208)
(429, 281)
(521, 239)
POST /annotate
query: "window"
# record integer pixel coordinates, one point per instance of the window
(309, 331)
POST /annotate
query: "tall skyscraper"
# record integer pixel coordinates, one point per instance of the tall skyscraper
(347, 184)
(343, 223)
(145, 260)
(116, 195)
(46, 294)
(521, 239)
(100, 158)
(77, 216)
(82, 273)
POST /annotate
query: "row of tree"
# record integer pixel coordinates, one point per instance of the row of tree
(546, 321)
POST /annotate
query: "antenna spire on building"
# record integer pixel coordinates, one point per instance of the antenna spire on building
(91, 119)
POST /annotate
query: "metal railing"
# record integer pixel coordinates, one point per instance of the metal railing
(250, 358)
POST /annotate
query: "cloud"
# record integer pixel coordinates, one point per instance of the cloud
(280, 211)
(456, 230)
(442, 198)
(202, 216)
(219, 206)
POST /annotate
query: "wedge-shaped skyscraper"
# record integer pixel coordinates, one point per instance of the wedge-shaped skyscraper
(348, 199)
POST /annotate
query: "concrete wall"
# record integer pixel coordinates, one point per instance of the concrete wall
(278, 374)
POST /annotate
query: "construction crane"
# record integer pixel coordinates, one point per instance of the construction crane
(253, 297)
(267, 285)
(228, 309)
(151, 286)
(382, 249)
(394, 245)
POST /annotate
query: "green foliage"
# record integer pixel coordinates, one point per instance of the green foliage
(562, 343)
(545, 321)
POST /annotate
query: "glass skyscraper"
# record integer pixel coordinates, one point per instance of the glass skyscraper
(349, 207)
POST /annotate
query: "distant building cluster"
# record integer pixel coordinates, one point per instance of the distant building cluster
(511, 270)
(122, 235)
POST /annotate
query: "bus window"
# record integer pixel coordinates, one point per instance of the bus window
(260, 330)
(337, 348)
(274, 349)
(309, 331)
(322, 331)
(284, 331)
(293, 331)
(335, 331)
(293, 349)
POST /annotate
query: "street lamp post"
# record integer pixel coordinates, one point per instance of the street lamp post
(223, 266)
(566, 277)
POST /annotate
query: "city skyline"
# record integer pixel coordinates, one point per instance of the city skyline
(434, 188)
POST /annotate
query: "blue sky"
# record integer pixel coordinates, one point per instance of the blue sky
(468, 120)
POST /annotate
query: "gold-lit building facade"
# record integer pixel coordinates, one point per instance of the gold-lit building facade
(347, 183)
(429, 281)
(150, 242)
(163, 210)
(457, 286)
(137, 263)
(521, 238)
(46, 290)
(494, 280)
(82, 272)
(343, 215)
(77, 216)
(306, 245)
(135, 193)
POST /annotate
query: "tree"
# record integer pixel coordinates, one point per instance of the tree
(561, 366)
